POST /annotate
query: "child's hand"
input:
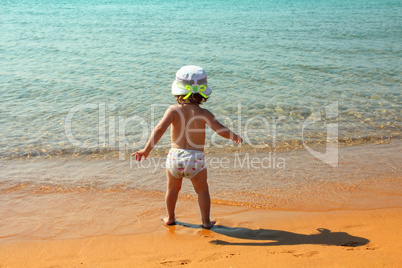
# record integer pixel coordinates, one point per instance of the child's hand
(139, 154)
(237, 139)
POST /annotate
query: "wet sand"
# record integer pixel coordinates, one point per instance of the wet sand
(105, 213)
(241, 238)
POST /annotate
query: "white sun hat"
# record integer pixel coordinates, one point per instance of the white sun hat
(191, 79)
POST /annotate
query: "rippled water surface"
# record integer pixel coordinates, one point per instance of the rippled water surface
(102, 70)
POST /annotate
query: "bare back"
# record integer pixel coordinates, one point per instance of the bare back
(188, 127)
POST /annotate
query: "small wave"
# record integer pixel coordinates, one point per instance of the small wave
(280, 146)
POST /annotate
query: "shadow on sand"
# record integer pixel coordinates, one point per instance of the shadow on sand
(281, 238)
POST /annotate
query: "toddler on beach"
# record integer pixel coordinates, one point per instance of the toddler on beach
(186, 157)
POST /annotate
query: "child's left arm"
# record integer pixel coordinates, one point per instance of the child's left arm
(156, 134)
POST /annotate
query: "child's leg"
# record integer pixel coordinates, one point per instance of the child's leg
(172, 192)
(201, 188)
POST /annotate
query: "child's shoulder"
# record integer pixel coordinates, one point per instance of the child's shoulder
(207, 114)
(205, 110)
(173, 107)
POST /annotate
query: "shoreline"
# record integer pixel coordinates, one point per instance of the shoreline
(366, 177)
(108, 153)
(73, 212)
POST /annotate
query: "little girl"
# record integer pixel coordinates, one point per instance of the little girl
(186, 157)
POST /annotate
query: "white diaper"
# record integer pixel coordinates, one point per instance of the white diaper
(183, 163)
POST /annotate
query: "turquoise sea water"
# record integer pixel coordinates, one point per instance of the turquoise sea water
(113, 62)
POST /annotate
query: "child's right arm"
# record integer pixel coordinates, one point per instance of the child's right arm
(220, 129)
(156, 134)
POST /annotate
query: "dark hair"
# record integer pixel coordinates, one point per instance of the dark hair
(194, 98)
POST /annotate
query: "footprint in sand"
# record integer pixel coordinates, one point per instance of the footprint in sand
(175, 263)
(217, 256)
(296, 254)
(307, 254)
(371, 247)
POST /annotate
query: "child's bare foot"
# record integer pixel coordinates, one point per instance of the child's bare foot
(168, 221)
(208, 225)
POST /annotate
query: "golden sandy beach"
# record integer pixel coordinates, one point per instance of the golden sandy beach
(100, 213)
(242, 238)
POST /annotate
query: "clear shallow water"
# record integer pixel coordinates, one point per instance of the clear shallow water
(286, 59)
(367, 177)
